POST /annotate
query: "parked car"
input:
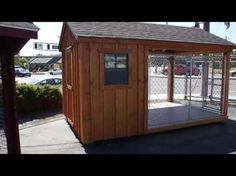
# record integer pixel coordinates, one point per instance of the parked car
(233, 73)
(55, 71)
(41, 81)
(181, 69)
(21, 72)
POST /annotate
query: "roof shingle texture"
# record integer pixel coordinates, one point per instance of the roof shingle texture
(20, 25)
(144, 31)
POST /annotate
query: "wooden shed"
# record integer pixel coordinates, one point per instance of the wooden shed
(109, 84)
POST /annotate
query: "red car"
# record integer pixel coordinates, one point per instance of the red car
(181, 69)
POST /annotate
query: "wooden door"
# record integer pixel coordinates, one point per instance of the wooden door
(70, 87)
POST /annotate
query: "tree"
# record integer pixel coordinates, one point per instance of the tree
(23, 62)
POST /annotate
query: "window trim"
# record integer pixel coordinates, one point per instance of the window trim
(102, 53)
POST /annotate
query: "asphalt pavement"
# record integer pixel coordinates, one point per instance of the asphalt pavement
(53, 135)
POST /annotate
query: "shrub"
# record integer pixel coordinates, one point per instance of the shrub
(30, 98)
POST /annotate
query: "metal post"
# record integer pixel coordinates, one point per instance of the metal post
(170, 87)
(190, 87)
(223, 84)
(186, 87)
(149, 84)
(204, 81)
(212, 79)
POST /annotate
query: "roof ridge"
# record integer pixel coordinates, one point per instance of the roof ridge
(146, 31)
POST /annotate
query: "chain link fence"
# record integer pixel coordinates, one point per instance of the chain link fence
(198, 88)
(157, 82)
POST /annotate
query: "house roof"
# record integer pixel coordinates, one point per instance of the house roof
(24, 30)
(20, 25)
(39, 60)
(144, 31)
(45, 60)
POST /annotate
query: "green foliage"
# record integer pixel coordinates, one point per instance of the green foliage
(30, 98)
(233, 64)
(23, 62)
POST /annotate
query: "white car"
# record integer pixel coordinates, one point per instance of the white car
(41, 80)
(55, 71)
(233, 73)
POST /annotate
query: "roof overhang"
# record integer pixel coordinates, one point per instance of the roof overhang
(158, 44)
(18, 33)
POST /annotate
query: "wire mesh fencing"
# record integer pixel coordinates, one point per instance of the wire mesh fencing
(157, 81)
(198, 88)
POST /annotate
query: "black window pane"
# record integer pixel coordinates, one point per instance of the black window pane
(116, 77)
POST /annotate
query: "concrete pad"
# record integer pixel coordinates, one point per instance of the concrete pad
(53, 137)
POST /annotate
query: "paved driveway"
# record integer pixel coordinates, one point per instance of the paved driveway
(55, 137)
(49, 136)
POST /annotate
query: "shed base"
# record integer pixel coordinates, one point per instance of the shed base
(172, 113)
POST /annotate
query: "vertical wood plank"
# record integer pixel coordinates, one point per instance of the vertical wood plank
(146, 90)
(141, 73)
(121, 112)
(109, 114)
(96, 94)
(75, 88)
(85, 93)
(132, 112)
(72, 91)
(77, 91)
(81, 104)
(64, 99)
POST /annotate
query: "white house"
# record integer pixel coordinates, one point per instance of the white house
(47, 42)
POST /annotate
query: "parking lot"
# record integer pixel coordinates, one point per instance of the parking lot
(53, 135)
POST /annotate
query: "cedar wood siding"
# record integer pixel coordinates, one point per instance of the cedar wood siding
(113, 111)
(94, 111)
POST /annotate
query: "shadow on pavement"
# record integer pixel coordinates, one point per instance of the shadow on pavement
(217, 138)
(38, 115)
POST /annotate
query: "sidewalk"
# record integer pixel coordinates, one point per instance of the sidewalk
(55, 137)
(49, 136)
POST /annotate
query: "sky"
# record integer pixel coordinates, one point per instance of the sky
(51, 31)
(217, 28)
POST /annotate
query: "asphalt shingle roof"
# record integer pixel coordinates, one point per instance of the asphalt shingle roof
(45, 60)
(20, 25)
(144, 31)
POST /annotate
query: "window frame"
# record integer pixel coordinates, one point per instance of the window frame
(102, 54)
